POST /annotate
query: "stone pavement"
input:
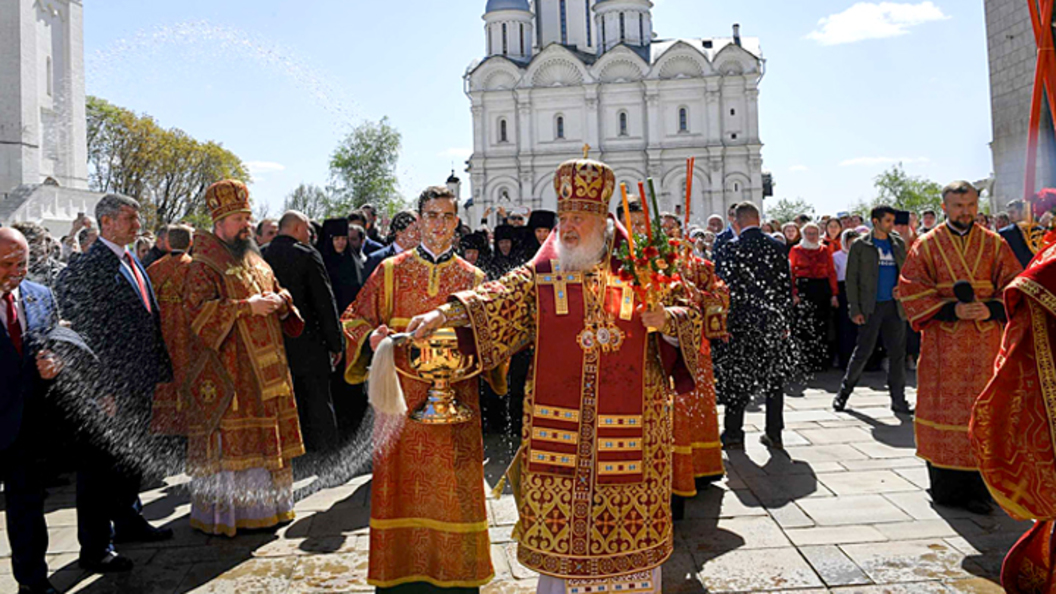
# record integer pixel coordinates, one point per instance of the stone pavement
(844, 510)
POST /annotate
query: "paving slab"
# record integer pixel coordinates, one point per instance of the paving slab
(710, 537)
(865, 482)
(757, 570)
(908, 561)
(834, 567)
(852, 509)
(825, 535)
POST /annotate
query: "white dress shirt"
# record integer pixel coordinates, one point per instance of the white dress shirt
(19, 309)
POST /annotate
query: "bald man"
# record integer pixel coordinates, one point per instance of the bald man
(312, 355)
(27, 312)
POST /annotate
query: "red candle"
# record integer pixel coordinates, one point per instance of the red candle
(645, 209)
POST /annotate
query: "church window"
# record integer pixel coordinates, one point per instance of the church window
(623, 28)
(586, 3)
(603, 36)
(733, 112)
(683, 120)
(559, 133)
(736, 187)
(564, 22)
(491, 48)
(51, 75)
(623, 123)
(733, 136)
(505, 40)
(641, 28)
(522, 39)
(503, 135)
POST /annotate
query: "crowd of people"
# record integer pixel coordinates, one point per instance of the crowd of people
(248, 347)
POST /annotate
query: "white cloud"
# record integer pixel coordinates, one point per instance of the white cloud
(874, 20)
(799, 168)
(260, 167)
(456, 153)
(882, 161)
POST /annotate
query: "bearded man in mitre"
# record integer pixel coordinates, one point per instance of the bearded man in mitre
(593, 476)
(241, 416)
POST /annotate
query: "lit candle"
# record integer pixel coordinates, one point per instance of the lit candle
(645, 210)
(627, 218)
(690, 164)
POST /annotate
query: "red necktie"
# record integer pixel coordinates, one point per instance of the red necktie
(14, 327)
(139, 280)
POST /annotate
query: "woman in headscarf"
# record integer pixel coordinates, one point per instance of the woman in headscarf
(814, 290)
(832, 242)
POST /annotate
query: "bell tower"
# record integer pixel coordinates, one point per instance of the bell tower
(42, 113)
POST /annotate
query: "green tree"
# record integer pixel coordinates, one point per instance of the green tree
(165, 169)
(363, 168)
(902, 191)
(310, 200)
(786, 209)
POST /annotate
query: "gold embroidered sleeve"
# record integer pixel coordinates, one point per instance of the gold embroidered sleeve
(455, 315)
(687, 325)
(359, 321)
(501, 315)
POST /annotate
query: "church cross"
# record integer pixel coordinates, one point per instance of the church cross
(559, 281)
(586, 151)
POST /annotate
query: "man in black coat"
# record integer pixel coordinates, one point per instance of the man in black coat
(405, 236)
(107, 297)
(160, 249)
(312, 356)
(757, 358)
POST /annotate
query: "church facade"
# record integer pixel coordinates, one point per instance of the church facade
(561, 74)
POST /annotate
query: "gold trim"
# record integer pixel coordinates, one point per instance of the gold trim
(940, 426)
(614, 422)
(1046, 366)
(428, 524)
(556, 413)
(552, 458)
(555, 435)
(630, 467)
(389, 278)
(242, 524)
(929, 311)
(620, 444)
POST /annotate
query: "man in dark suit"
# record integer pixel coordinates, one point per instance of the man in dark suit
(27, 313)
(368, 246)
(160, 249)
(107, 297)
(757, 357)
(404, 231)
(313, 354)
(1019, 234)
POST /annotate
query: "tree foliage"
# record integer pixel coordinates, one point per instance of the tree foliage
(310, 200)
(902, 191)
(786, 209)
(165, 169)
(363, 169)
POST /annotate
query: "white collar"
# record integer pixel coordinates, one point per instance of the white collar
(118, 250)
(435, 257)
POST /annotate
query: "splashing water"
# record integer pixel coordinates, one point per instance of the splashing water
(202, 41)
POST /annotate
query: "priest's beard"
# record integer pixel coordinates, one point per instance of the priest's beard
(240, 247)
(587, 254)
(809, 245)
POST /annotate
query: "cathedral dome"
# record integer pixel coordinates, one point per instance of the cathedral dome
(494, 5)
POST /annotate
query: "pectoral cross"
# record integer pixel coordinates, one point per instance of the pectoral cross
(626, 299)
(559, 281)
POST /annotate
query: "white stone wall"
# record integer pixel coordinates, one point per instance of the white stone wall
(719, 94)
(1010, 41)
(42, 112)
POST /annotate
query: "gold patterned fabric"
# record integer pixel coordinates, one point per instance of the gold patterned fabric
(428, 521)
(595, 471)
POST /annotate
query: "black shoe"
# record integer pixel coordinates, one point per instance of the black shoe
(839, 403)
(143, 533)
(110, 563)
(772, 442)
(902, 408)
(44, 587)
(678, 508)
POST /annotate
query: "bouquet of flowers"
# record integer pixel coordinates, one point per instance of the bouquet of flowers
(650, 262)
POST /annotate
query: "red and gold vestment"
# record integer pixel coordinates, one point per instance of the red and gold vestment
(956, 357)
(240, 409)
(428, 520)
(169, 277)
(697, 450)
(594, 488)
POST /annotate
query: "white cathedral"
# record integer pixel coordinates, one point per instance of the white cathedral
(561, 74)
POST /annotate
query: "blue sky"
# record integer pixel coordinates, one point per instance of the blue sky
(851, 87)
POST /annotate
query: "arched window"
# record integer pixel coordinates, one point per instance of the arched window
(503, 136)
(603, 36)
(586, 3)
(522, 39)
(683, 119)
(505, 41)
(559, 125)
(564, 23)
(51, 75)
(641, 28)
(491, 47)
(623, 28)
(623, 123)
